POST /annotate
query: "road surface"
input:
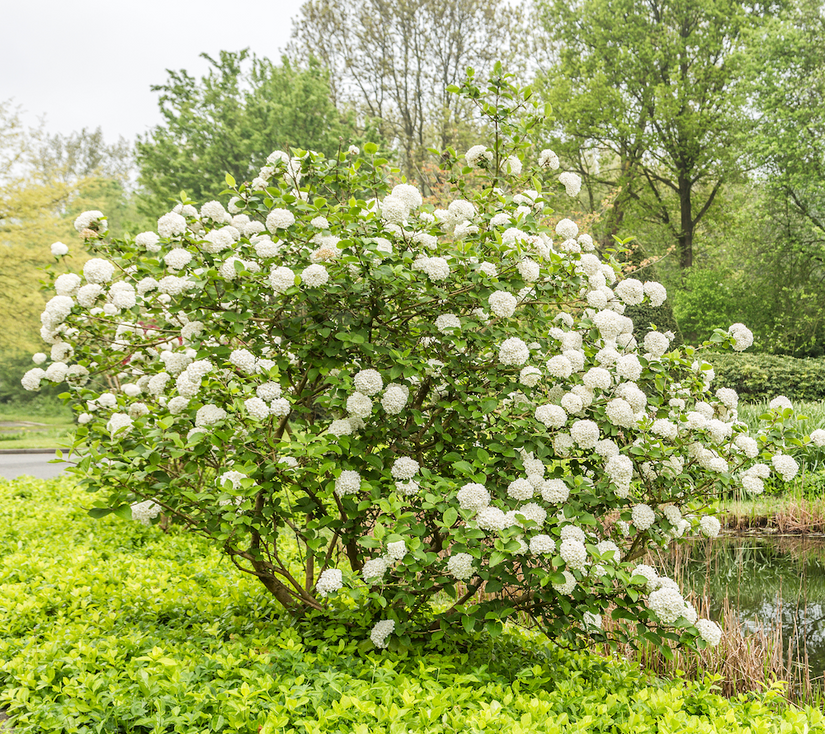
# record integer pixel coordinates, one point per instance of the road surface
(32, 465)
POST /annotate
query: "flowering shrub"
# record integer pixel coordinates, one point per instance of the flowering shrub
(399, 414)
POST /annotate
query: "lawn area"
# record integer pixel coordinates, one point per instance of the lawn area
(110, 626)
(33, 428)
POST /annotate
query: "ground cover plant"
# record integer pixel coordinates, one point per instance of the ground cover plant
(368, 403)
(112, 626)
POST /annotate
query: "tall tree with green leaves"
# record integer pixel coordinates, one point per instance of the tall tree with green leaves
(652, 90)
(230, 120)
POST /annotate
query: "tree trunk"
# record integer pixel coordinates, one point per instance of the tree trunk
(685, 239)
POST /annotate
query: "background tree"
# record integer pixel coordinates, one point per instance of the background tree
(650, 93)
(229, 120)
(395, 59)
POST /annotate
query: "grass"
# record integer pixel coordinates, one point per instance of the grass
(109, 626)
(49, 425)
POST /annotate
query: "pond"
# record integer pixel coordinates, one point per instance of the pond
(766, 581)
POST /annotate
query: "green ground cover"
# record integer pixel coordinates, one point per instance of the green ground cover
(35, 424)
(109, 626)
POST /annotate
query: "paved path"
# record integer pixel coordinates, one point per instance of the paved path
(32, 465)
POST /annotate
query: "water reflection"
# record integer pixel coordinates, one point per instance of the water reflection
(764, 579)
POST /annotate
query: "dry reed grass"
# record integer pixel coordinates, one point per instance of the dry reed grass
(786, 515)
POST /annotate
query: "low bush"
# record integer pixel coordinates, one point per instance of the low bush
(764, 376)
(112, 626)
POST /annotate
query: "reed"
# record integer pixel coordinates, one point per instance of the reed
(782, 514)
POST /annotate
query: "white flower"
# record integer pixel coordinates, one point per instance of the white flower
(552, 416)
(119, 423)
(31, 380)
(396, 551)
(460, 566)
(667, 603)
(244, 360)
(171, 224)
(780, 402)
(446, 322)
(709, 631)
(567, 228)
(314, 276)
(656, 293)
(572, 183)
(330, 581)
(569, 584)
(348, 482)
(785, 466)
(359, 405)
(642, 516)
(585, 433)
(533, 511)
(59, 249)
(541, 544)
(513, 351)
(87, 219)
(502, 304)
(373, 570)
(214, 211)
(548, 159)
(573, 553)
(353, 150)
(473, 496)
(395, 398)
(530, 376)
(631, 291)
(280, 407)
(381, 632)
(649, 573)
(281, 279)
(257, 408)
(209, 415)
(513, 165)
(559, 366)
(620, 413)
(664, 428)
(492, 518)
(818, 437)
(555, 491)
(608, 546)
(436, 268)
(279, 219)
(742, 337)
(368, 382)
(341, 427)
(145, 512)
(98, 270)
(478, 155)
(520, 489)
(409, 194)
(709, 526)
(404, 468)
(177, 259)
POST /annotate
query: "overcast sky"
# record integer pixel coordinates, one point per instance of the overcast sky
(90, 63)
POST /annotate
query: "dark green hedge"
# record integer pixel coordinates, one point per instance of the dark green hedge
(646, 316)
(764, 376)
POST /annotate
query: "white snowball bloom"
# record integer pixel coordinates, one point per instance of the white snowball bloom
(785, 466)
(532, 511)
(446, 322)
(359, 405)
(460, 566)
(631, 291)
(119, 424)
(559, 366)
(542, 544)
(409, 194)
(567, 228)
(244, 360)
(67, 284)
(330, 581)
(348, 482)
(513, 351)
(555, 491)
(478, 155)
(404, 468)
(492, 519)
(520, 489)
(629, 367)
(573, 553)
(513, 165)
(649, 573)
(280, 407)
(87, 219)
(728, 397)
(314, 276)
(368, 382)
(656, 343)
(667, 603)
(709, 631)
(572, 183)
(58, 249)
(98, 270)
(569, 584)
(548, 159)
(502, 304)
(606, 448)
(395, 398)
(608, 546)
(397, 550)
(742, 336)
(709, 526)
(436, 268)
(597, 378)
(373, 571)
(257, 408)
(56, 371)
(610, 324)
(818, 437)
(620, 413)
(551, 416)
(209, 415)
(642, 516)
(177, 259)
(528, 269)
(563, 443)
(281, 279)
(394, 210)
(473, 497)
(279, 219)
(585, 433)
(341, 427)
(665, 428)
(656, 293)
(780, 402)
(145, 512)
(381, 632)
(171, 224)
(573, 404)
